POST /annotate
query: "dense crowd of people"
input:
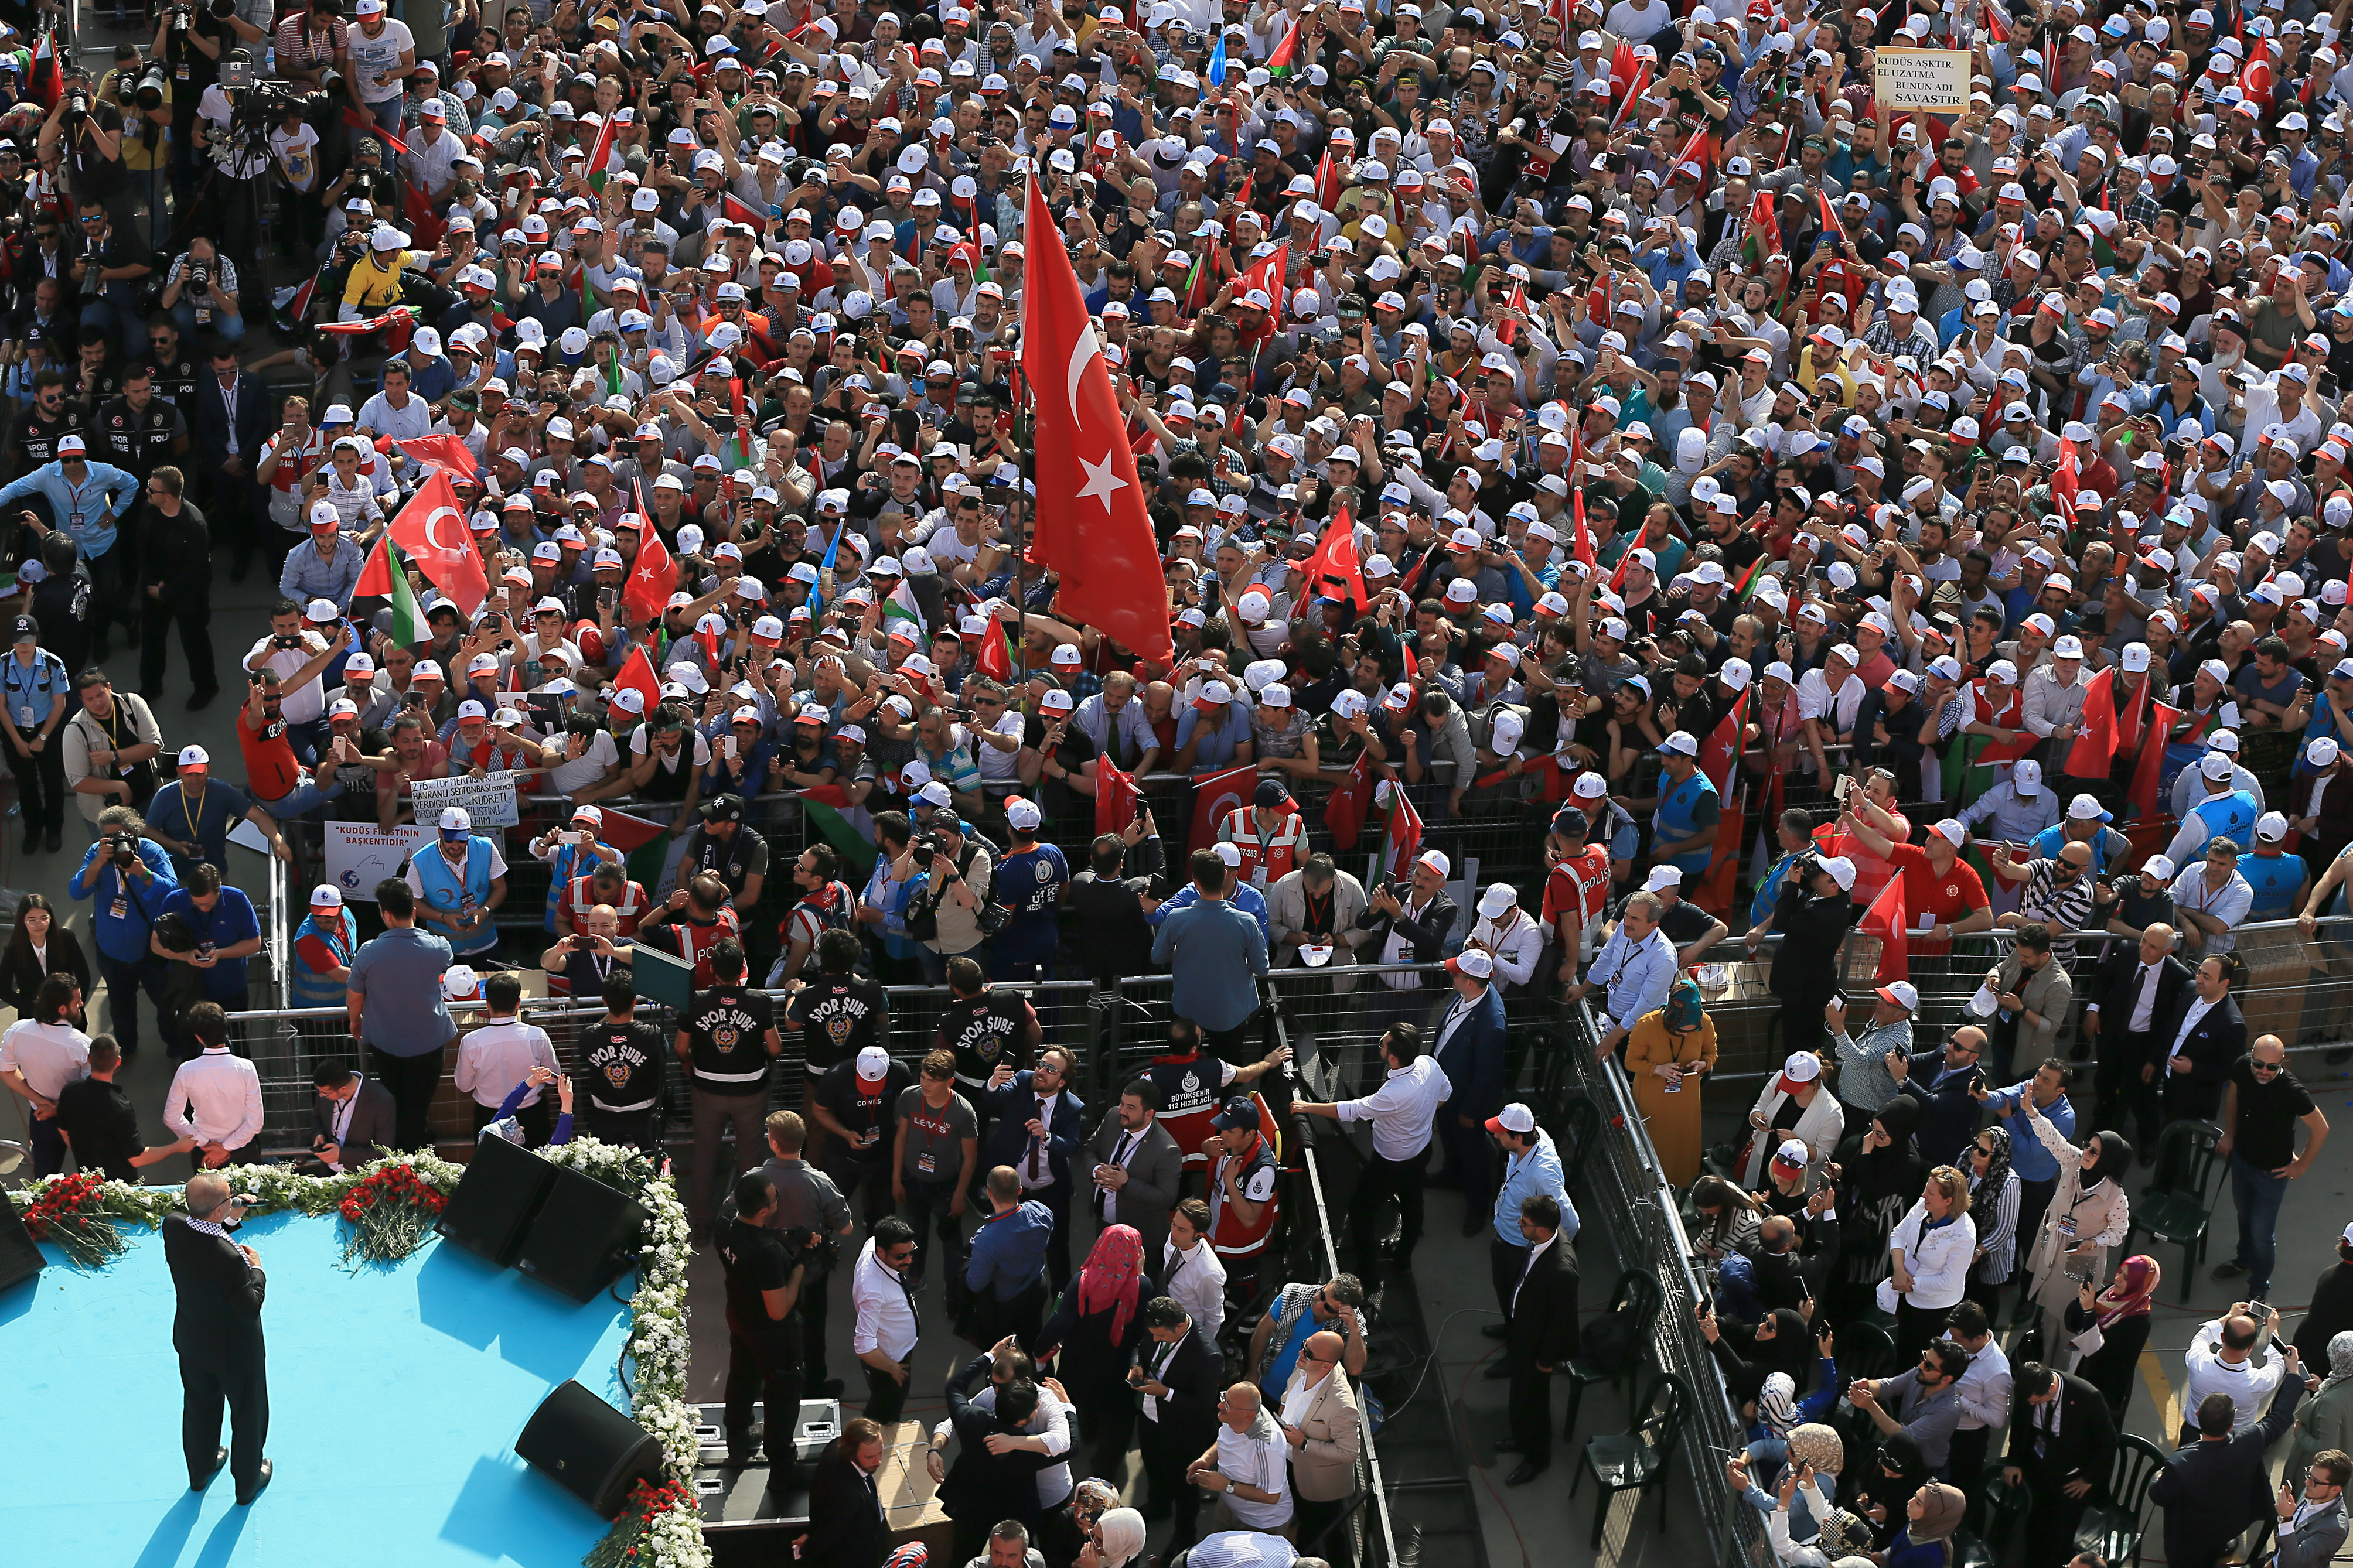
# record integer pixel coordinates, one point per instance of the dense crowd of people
(1615, 429)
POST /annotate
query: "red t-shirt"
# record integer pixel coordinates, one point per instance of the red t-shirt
(271, 771)
(1939, 901)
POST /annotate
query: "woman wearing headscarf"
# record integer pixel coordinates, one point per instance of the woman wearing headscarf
(1077, 1526)
(1117, 1541)
(2089, 1213)
(1994, 1190)
(1881, 1490)
(2324, 1421)
(1925, 1540)
(1667, 1052)
(1883, 1173)
(2108, 1328)
(1095, 1332)
(1748, 1357)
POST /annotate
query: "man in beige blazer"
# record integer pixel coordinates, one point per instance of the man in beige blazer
(1318, 1418)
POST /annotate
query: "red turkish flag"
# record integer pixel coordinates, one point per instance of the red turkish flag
(2094, 750)
(1884, 920)
(1115, 797)
(637, 674)
(1091, 524)
(1720, 753)
(2161, 720)
(1215, 797)
(447, 451)
(652, 580)
(1333, 570)
(432, 530)
(1344, 806)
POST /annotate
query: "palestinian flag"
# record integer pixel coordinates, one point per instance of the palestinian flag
(602, 152)
(386, 576)
(1285, 58)
(644, 845)
(822, 810)
(1328, 182)
(902, 606)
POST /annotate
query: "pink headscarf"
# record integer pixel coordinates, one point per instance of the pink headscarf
(2130, 1293)
(1111, 1275)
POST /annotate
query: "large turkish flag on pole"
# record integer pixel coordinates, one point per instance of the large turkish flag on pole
(432, 530)
(1091, 526)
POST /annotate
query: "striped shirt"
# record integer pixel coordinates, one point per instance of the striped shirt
(1997, 1230)
(2062, 905)
(1864, 1081)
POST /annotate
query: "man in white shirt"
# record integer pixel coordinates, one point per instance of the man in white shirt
(39, 1056)
(1191, 1272)
(500, 1055)
(887, 1327)
(1984, 1393)
(2221, 1360)
(1248, 1466)
(1404, 1112)
(216, 1098)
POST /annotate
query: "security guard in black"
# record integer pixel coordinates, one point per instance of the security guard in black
(835, 1017)
(764, 1329)
(142, 432)
(726, 1036)
(622, 1058)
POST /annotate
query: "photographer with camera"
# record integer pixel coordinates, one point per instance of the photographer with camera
(234, 120)
(86, 131)
(143, 94)
(191, 42)
(125, 876)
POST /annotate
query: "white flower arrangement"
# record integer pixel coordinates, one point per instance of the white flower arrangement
(659, 1346)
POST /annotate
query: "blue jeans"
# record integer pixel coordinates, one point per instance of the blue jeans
(305, 798)
(2259, 1194)
(126, 325)
(230, 328)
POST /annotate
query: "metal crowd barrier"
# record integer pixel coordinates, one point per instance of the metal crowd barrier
(1629, 1198)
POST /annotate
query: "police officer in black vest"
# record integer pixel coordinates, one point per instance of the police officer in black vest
(33, 437)
(177, 367)
(139, 431)
(722, 845)
(765, 1276)
(621, 1057)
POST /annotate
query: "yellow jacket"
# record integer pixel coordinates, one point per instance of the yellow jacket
(372, 286)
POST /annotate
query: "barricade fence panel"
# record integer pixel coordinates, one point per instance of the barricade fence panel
(1627, 1198)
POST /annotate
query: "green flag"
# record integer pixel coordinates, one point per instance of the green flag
(822, 808)
(408, 626)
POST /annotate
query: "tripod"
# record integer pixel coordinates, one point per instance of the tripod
(234, 207)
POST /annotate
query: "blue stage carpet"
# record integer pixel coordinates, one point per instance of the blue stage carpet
(395, 1398)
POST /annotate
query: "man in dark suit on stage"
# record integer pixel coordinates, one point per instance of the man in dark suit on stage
(1131, 1167)
(2136, 990)
(1180, 1375)
(1468, 1050)
(1540, 1335)
(2200, 1041)
(353, 1118)
(1036, 1127)
(847, 1529)
(218, 1332)
(2062, 1439)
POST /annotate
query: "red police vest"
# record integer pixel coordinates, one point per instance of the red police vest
(1280, 856)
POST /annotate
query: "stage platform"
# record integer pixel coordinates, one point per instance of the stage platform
(395, 1398)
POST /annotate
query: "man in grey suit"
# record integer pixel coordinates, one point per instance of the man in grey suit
(1131, 1166)
(1315, 908)
(2313, 1527)
(352, 1119)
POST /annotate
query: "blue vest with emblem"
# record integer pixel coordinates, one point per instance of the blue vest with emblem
(1678, 818)
(2047, 844)
(2230, 816)
(445, 893)
(310, 989)
(571, 860)
(2276, 879)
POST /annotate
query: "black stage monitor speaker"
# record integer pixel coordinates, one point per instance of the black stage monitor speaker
(587, 1237)
(589, 1449)
(20, 1258)
(491, 1210)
